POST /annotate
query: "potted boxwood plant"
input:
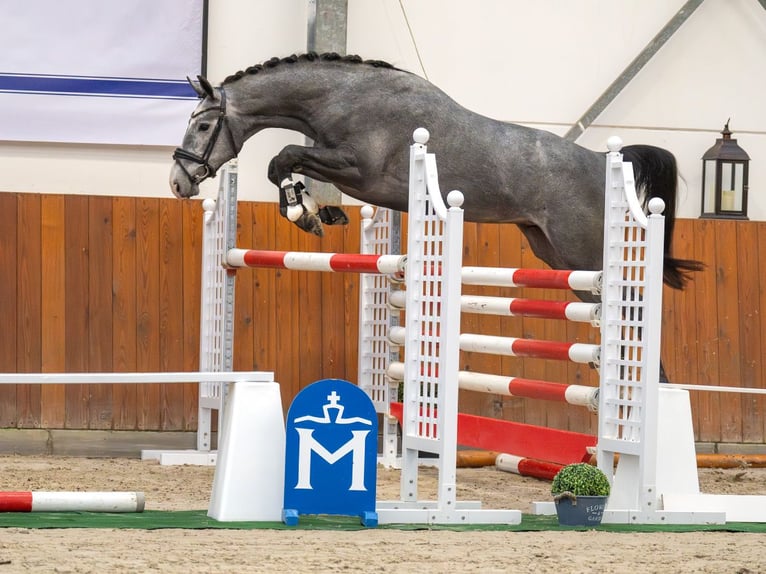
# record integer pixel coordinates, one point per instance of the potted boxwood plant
(580, 492)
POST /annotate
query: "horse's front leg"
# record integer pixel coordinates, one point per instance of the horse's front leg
(295, 203)
(322, 164)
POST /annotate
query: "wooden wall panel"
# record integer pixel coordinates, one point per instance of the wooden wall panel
(191, 247)
(707, 414)
(349, 293)
(28, 311)
(728, 328)
(53, 308)
(8, 303)
(511, 246)
(147, 310)
(76, 256)
(244, 331)
(171, 311)
(748, 351)
(119, 290)
(264, 291)
(101, 327)
(124, 397)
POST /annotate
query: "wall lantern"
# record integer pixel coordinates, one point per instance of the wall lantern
(724, 179)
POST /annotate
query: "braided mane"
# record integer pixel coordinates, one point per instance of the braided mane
(307, 57)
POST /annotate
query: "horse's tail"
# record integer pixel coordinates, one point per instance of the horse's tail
(657, 176)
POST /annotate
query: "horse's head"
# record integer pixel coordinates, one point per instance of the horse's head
(204, 149)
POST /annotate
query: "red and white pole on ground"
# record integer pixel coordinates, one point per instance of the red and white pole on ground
(527, 466)
(42, 501)
(308, 261)
(517, 307)
(585, 353)
(579, 395)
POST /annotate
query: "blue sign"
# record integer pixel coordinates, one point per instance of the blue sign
(331, 453)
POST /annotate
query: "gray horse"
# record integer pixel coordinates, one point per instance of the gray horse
(360, 116)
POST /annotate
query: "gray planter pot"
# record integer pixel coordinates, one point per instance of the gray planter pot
(581, 511)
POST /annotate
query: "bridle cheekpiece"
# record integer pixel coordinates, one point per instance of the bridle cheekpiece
(204, 159)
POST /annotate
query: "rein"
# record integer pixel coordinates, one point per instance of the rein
(204, 159)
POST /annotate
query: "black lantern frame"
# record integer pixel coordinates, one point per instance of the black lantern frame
(725, 175)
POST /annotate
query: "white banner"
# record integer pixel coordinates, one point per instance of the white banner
(90, 71)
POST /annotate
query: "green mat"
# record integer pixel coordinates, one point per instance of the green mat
(197, 519)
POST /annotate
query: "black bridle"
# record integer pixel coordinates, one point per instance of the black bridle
(204, 159)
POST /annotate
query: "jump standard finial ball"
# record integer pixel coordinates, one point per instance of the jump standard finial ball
(208, 204)
(614, 143)
(367, 211)
(421, 136)
(656, 205)
(455, 198)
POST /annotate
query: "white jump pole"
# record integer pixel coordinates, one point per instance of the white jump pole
(132, 378)
(44, 501)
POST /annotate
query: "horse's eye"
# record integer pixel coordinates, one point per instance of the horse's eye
(204, 127)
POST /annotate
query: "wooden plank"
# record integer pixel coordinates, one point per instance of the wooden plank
(470, 402)
(349, 305)
(750, 317)
(124, 310)
(331, 347)
(289, 331)
(100, 358)
(510, 241)
(533, 329)
(29, 319)
(9, 232)
(76, 311)
(760, 271)
(708, 415)
(680, 340)
(309, 300)
(171, 311)
(147, 310)
(52, 397)
(244, 328)
(486, 254)
(728, 329)
(678, 337)
(190, 319)
(264, 291)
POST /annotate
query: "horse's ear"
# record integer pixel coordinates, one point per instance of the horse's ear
(197, 88)
(206, 86)
(201, 86)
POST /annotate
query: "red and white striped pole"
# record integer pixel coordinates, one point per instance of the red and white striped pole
(585, 353)
(308, 261)
(527, 466)
(542, 278)
(42, 501)
(517, 307)
(579, 395)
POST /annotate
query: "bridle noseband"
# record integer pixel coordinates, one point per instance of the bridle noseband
(204, 159)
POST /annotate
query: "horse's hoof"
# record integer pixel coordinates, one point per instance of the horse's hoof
(311, 223)
(331, 215)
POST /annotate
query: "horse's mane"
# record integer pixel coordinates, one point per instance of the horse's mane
(307, 57)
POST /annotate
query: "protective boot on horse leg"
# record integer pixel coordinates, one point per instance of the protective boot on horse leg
(298, 206)
(295, 203)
